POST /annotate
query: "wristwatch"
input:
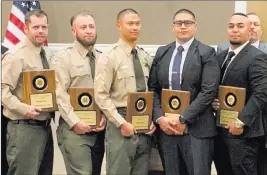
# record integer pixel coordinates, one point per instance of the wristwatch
(238, 125)
(182, 120)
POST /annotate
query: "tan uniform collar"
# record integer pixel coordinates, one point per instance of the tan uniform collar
(82, 50)
(32, 47)
(126, 47)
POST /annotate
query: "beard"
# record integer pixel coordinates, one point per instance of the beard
(86, 43)
(236, 43)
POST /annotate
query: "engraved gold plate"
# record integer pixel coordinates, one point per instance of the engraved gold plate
(140, 122)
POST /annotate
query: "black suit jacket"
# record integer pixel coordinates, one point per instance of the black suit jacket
(200, 76)
(248, 70)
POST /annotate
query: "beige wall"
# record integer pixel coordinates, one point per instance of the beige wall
(156, 19)
(259, 7)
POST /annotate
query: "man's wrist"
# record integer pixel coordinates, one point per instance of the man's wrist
(238, 123)
(157, 121)
(182, 120)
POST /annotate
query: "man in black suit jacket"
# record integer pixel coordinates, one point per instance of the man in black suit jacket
(197, 72)
(237, 146)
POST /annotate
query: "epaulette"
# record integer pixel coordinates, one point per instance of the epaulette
(111, 47)
(14, 50)
(143, 50)
(98, 51)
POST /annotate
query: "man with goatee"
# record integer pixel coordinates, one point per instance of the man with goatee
(82, 147)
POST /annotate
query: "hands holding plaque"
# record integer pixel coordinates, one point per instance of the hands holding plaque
(230, 103)
(39, 90)
(173, 103)
(83, 103)
(139, 112)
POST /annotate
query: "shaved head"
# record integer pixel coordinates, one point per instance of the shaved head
(124, 12)
(238, 29)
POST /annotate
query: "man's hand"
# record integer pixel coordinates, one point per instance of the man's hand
(33, 112)
(152, 129)
(166, 125)
(216, 104)
(180, 127)
(127, 129)
(102, 124)
(234, 130)
(81, 128)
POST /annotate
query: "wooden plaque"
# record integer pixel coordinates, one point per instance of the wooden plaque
(232, 100)
(174, 102)
(83, 103)
(139, 110)
(39, 89)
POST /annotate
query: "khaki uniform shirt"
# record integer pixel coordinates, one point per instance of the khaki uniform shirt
(115, 77)
(72, 70)
(23, 57)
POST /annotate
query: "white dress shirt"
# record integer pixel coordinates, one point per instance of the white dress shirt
(184, 53)
(256, 44)
(236, 51)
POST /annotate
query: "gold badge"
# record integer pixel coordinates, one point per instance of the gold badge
(85, 100)
(140, 105)
(230, 99)
(175, 103)
(39, 82)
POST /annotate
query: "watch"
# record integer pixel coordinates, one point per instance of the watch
(182, 120)
(238, 125)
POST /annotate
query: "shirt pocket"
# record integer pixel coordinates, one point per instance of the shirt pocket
(79, 73)
(126, 80)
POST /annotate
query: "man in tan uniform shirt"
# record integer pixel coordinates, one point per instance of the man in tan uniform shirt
(29, 137)
(127, 153)
(81, 147)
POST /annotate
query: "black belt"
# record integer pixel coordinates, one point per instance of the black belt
(33, 122)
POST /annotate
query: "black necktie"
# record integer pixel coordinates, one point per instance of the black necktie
(228, 60)
(139, 74)
(92, 63)
(44, 60)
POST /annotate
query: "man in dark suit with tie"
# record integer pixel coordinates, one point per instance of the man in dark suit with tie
(255, 40)
(237, 146)
(186, 64)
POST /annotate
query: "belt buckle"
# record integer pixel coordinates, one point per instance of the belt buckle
(31, 122)
(15, 121)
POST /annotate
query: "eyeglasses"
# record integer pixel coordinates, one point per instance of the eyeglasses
(186, 23)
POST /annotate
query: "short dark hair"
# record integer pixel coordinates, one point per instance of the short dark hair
(185, 11)
(36, 12)
(81, 13)
(239, 14)
(126, 11)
